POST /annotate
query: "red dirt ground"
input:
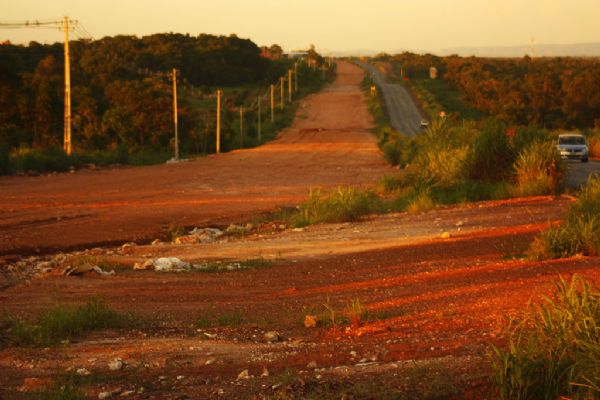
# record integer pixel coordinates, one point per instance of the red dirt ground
(329, 144)
(436, 306)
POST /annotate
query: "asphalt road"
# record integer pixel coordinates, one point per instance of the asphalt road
(402, 111)
(579, 172)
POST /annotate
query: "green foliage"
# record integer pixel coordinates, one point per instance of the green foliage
(492, 154)
(121, 96)
(539, 170)
(4, 160)
(65, 388)
(436, 95)
(343, 204)
(579, 233)
(554, 350)
(550, 92)
(65, 323)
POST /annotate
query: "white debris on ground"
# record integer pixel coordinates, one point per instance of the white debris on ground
(170, 264)
(200, 235)
(83, 268)
(174, 264)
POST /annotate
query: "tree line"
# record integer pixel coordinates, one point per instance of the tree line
(121, 89)
(554, 93)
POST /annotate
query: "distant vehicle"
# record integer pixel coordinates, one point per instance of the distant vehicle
(424, 123)
(573, 146)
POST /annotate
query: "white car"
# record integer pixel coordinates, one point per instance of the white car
(424, 123)
(573, 146)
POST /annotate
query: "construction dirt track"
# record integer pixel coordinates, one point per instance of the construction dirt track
(329, 144)
(439, 287)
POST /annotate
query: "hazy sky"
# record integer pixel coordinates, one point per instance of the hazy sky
(332, 25)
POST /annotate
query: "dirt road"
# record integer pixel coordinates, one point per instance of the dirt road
(404, 115)
(329, 144)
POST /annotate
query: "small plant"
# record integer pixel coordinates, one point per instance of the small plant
(174, 231)
(554, 350)
(65, 323)
(421, 203)
(331, 315)
(64, 388)
(231, 319)
(356, 311)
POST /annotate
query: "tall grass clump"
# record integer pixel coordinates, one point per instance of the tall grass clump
(580, 231)
(343, 204)
(492, 155)
(65, 323)
(538, 170)
(554, 350)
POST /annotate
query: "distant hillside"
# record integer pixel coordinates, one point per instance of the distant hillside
(541, 50)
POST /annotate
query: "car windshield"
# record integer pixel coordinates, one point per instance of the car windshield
(571, 140)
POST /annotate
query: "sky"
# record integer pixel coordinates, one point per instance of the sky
(331, 25)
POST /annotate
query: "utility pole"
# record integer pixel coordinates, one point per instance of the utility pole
(241, 127)
(282, 83)
(175, 113)
(67, 129)
(219, 93)
(259, 112)
(296, 77)
(289, 86)
(272, 103)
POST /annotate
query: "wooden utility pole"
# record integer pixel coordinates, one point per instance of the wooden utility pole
(296, 77)
(241, 127)
(219, 93)
(67, 129)
(289, 86)
(272, 103)
(258, 114)
(175, 113)
(282, 83)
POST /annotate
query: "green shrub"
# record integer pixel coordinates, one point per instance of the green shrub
(420, 203)
(443, 166)
(341, 205)
(554, 350)
(64, 323)
(579, 233)
(539, 170)
(492, 156)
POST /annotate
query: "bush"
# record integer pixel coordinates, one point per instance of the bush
(341, 205)
(580, 232)
(65, 323)
(539, 170)
(492, 155)
(443, 166)
(554, 351)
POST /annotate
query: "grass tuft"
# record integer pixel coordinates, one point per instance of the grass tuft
(538, 170)
(344, 204)
(554, 350)
(65, 323)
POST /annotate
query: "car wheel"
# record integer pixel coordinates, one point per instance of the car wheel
(584, 160)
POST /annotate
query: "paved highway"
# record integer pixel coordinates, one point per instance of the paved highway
(403, 113)
(579, 172)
